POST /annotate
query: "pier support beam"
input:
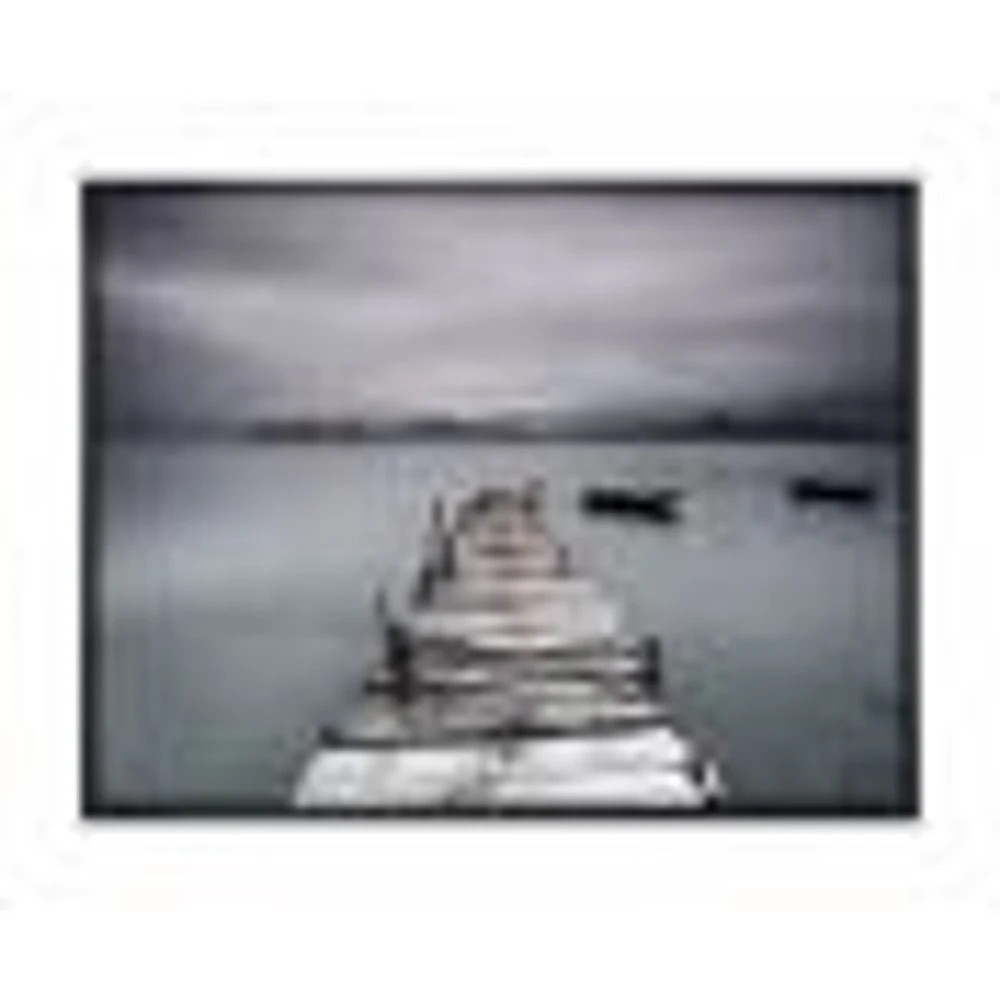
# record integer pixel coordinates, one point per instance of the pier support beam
(651, 656)
(399, 662)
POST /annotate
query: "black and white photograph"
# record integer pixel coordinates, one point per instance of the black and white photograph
(496, 498)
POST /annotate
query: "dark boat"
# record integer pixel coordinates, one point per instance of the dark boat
(653, 505)
(813, 489)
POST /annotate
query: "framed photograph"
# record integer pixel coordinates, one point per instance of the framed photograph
(500, 499)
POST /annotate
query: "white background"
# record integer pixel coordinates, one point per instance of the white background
(789, 90)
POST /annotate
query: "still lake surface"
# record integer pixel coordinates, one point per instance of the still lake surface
(235, 586)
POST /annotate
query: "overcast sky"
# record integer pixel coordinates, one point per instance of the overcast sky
(263, 303)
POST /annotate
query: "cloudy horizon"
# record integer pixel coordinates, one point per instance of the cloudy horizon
(241, 304)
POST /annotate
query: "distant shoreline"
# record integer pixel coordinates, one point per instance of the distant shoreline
(748, 438)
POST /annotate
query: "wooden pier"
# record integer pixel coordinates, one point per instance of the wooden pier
(506, 684)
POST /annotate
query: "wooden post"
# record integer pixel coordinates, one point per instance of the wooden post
(447, 556)
(562, 560)
(399, 661)
(534, 491)
(651, 653)
(437, 515)
(381, 603)
(424, 587)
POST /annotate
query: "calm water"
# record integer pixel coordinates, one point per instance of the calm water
(236, 584)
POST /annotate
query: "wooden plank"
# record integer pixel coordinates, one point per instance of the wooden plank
(650, 766)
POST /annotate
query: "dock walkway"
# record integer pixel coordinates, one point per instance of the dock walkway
(506, 684)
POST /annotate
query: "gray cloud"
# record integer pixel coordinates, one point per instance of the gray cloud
(235, 303)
